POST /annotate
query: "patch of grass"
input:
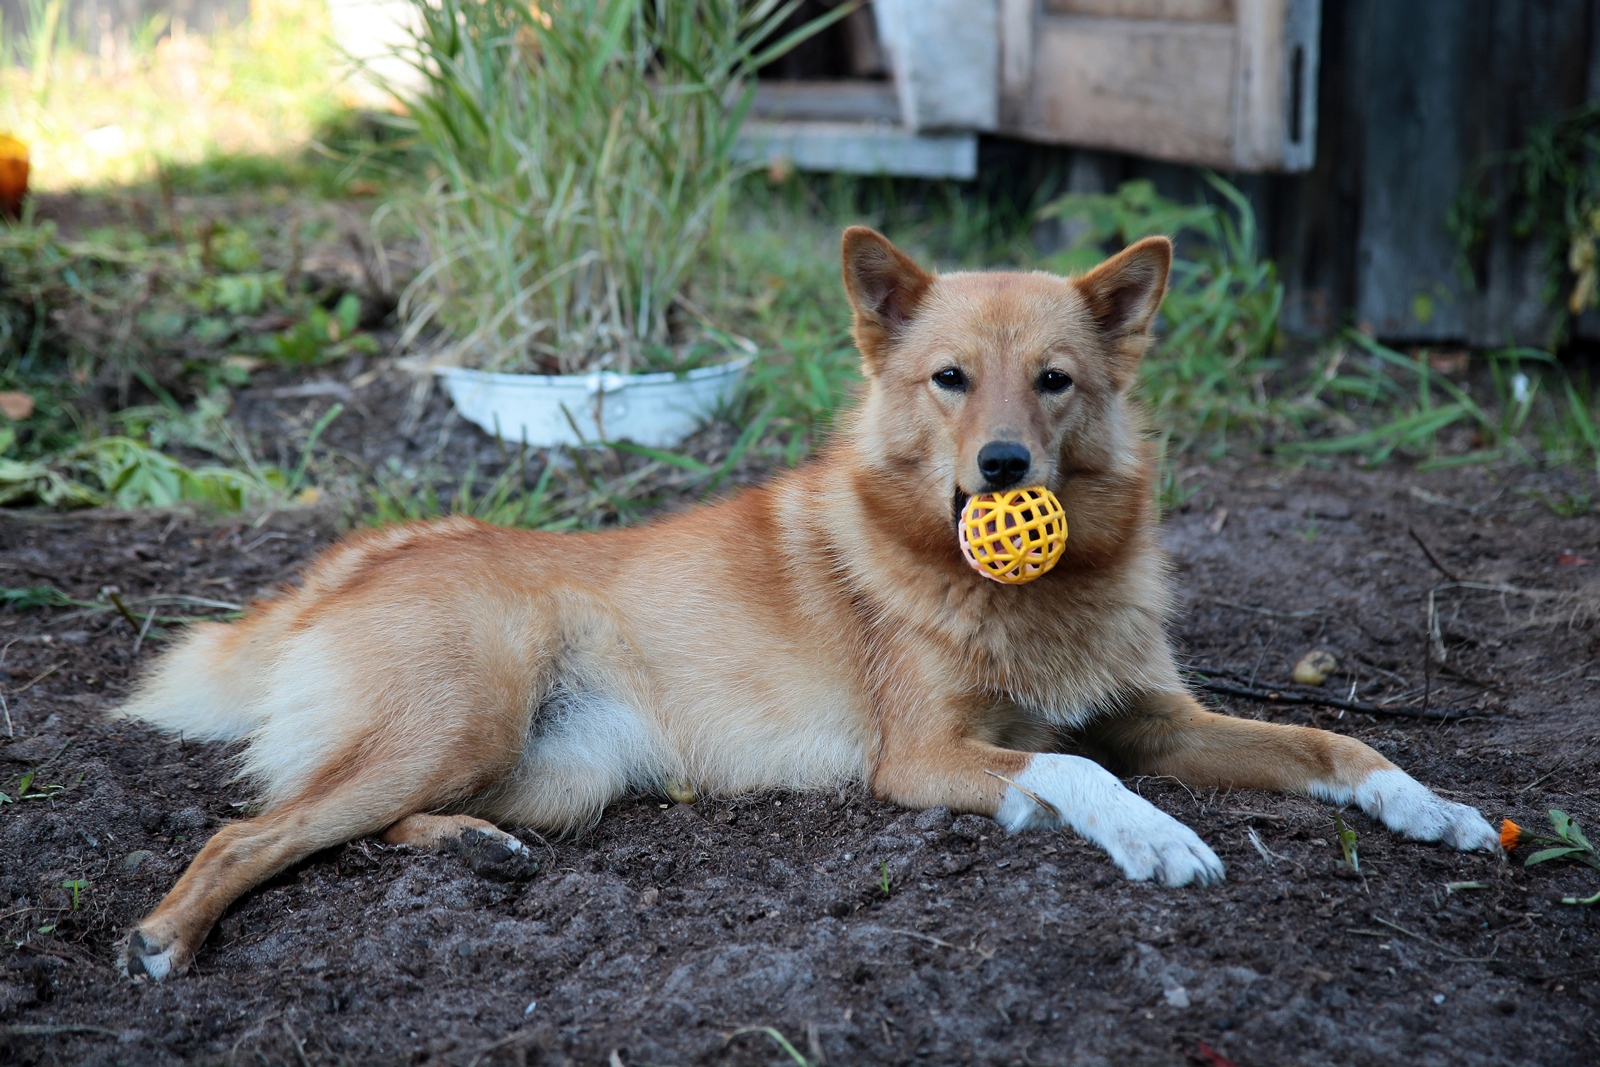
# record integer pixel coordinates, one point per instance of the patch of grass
(26, 790)
(507, 500)
(1373, 401)
(1206, 376)
(584, 164)
(186, 310)
(169, 97)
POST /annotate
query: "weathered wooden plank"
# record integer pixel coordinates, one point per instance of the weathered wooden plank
(860, 148)
(946, 60)
(1414, 152)
(1185, 10)
(1490, 71)
(1162, 89)
(835, 101)
(1275, 101)
(1016, 60)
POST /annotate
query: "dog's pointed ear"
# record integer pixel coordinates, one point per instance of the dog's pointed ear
(885, 288)
(1124, 293)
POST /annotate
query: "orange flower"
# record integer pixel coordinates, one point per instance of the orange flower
(1510, 834)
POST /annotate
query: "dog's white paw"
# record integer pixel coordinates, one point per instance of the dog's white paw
(1153, 846)
(1411, 809)
(1146, 842)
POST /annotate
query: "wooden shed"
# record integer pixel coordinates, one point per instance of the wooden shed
(1352, 125)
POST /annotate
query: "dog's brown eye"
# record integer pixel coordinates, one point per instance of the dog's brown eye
(950, 378)
(1053, 381)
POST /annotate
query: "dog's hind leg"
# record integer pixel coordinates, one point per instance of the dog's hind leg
(1169, 733)
(486, 848)
(369, 787)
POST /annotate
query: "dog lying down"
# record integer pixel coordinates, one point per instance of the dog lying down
(433, 682)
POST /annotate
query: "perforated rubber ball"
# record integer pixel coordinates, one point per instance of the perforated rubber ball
(1014, 536)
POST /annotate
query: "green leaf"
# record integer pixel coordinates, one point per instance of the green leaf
(1568, 830)
(1549, 854)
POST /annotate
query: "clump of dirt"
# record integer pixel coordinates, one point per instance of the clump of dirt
(859, 932)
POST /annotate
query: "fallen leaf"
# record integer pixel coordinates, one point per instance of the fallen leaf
(16, 406)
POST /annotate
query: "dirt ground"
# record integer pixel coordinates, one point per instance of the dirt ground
(667, 933)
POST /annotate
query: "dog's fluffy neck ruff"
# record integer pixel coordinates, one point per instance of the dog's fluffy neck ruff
(897, 554)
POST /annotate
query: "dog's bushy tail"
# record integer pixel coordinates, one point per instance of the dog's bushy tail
(208, 688)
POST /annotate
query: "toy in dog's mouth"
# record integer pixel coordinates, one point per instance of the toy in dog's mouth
(1014, 536)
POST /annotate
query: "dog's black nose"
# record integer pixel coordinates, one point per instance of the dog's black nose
(1003, 464)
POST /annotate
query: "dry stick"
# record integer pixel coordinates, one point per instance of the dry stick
(1426, 551)
(47, 672)
(122, 609)
(1229, 684)
(1493, 963)
(1432, 641)
(41, 1030)
(929, 938)
(11, 731)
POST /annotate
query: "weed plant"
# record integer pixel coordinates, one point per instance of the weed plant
(585, 159)
(1550, 187)
(1206, 376)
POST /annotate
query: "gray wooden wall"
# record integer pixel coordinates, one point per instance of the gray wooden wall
(1413, 94)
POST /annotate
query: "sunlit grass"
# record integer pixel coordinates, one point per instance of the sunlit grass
(94, 119)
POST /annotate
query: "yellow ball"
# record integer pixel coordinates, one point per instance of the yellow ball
(1015, 536)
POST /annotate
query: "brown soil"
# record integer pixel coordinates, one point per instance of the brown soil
(664, 933)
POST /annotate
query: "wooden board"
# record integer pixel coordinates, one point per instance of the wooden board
(833, 101)
(1163, 89)
(1185, 10)
(1224, 83)
(860, 148)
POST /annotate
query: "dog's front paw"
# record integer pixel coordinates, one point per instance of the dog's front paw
(149, 955)
(494, 854)
(1410, 808)
(1152, 846)
(1146, 842)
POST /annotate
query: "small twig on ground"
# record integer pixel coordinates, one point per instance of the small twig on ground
(1269, 612)
(1227, 683)
(1454, 955)
(1426, 551)
(299, 1046)
(1560, 763)
(929, 938)
(1269, 855)
(42, 1030)
(11, 731)
(47, 672)
(115, 596)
